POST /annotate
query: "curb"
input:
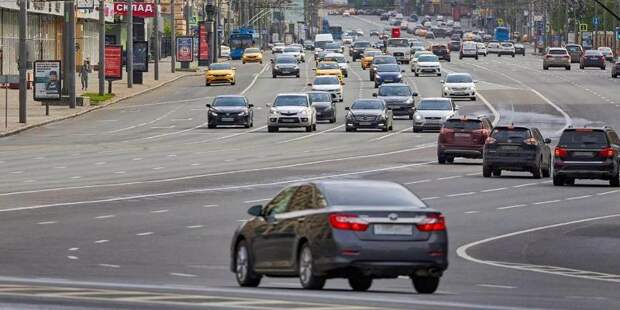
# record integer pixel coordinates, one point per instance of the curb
(113, 101)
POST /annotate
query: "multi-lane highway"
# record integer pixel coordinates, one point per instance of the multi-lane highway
(135, 205)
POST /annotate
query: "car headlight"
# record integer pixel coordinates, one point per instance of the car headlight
(446, 88)
(400, 76)
(349, 116)
(303, 113)
(277, 67)
(409, 101)
(418, 117)
(212, 113)
(274, 112)
(296, 67)
(243, 113)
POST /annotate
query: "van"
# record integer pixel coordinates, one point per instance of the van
(321, 39)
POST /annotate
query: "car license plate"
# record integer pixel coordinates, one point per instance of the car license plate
(461, 135)
(582, 154)
(365, 123)
(510, 147)
(227, 119)
(288, 120)
(393, 229)
(459, 93)
(388, 80)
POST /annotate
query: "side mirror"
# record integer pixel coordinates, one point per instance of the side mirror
(250, 105)
(414, 94)
(347, 108)
(547, 141)
(374, 94)
(442, 81)
(268, 105)
(389, 108)
(208, 105)
(475, 81)
(255, 210)
(309, 84)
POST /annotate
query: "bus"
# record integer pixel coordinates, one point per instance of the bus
(336, 32)
(502, 34)
(239, 40)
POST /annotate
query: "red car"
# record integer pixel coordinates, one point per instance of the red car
(463, 137)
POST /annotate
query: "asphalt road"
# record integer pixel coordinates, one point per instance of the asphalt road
(135, 205)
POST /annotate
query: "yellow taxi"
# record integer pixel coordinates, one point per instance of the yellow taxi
(329, 68)
(252, 54)
(220, 73)
(368, 56)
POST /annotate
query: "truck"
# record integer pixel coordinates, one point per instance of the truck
(502, 34)
(399, 48)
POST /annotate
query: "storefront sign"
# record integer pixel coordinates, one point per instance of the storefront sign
(113, 62)
(47, 80)
(185, 49)
(203, 42)
(140, 56)
(140, 9)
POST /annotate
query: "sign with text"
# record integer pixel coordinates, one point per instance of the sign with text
(47, 80)
(141, 56)
(140, 9)
(113, 62)
(185, 49)
(203, 42)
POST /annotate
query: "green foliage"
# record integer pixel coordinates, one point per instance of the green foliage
(95, 99)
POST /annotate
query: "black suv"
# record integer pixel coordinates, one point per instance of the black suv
(357, 49)
(284, 65)
(516, 149)
(587, 153)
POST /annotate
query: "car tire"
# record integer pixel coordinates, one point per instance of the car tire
(581, 67)
(207, 84)
(450, 159)
(476, 57)
(332, 120)
(460, 57)
(545, 68)
(244, 269)
(243, 62)
(274, 76)
(603, 68)
(297, 75)
(497, 172)
(411, 116)
(425, 285)
(546, 172)
(309, 128)
(272, 129)
(211, 125)
(247, 125)
(416, 74)
(372, 79)
(314, 127)
(305, 264)
(487, 171)
(485, 55)
(472, 98)
(386, 128)
(499, 55)
(569, 181)
(233, 83)
(614, 76)
(568, 68)
(513, 55)
(615, 180)
(412, 70)
(441, 159)
(376, 85)
(417, 129)
(537, 171)
(360, 283)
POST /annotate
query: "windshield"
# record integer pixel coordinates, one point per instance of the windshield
(332, 46)
(229, 102)
(252, 50)
(573, 48)
(459, 78)
(388, 68)
(398, 91)
(326, 80)
(583, 139)
(507, 44)
(367, 105)
(290, 101)
(372, 53)
(320, 97)
(338, 59)
(463, 124)
(398, 43)
(557, 52)
(241, 42)
(321, 44)
(435, 105)
(383, 60)
(361, 44)
(291, 50)
(220, 67)
(330, 65)
(428, 58)
(286, 60)
(511, 135)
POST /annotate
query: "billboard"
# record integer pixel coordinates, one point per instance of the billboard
(47, 80)
(185, 49)
(140, 56)
(203, 42)
(113, 62)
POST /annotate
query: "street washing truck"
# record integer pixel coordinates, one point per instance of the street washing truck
(399, 48)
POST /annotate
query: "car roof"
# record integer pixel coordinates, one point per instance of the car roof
(514, 127)
(393, 85)
(317, 92)
(436, 99)
(459, 73)
(292, 94)
(230, 96)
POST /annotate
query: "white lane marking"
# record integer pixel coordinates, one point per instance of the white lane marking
(105, 216)
(473, 174)
(254, 80)
(160, 211)
(355, 157)
(72, 257)
(30, 181)
(158, 168)
(76, 177)
(209, 206)
(231, 187)
(73, 249)
(461, 194)
(16, 172)
(578, 197)
(102, 241)
(311, 135)
(231, 135)
(148, 233)
(430, 198)
(172, 155)
(524, 185)
(609, 192)
(136, 159)
(450, 178)
(147, 123)
(109, 266)
(496, 286)
(174, 132)
(163, 127)
(392, 134)
(493, 190)
(496, 115)
(182, 119)
(47, 223)
(100, 163)
(186, 275)
(195, 164)
(418, 182)
(120, 172)
(194, 226)
(472, 212)
(60, 167)
(512, 207)
(546, 202)
(257, 200)
(560, 271)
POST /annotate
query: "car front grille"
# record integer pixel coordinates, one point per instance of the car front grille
(399, 54)
(288, 120)
(365, 118)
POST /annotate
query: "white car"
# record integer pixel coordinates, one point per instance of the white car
(292, 110)
(469, 49)
(415, 57)
(432, 113)
(278, 48)
(330, 84)
(459, 85)
(295, 51)
(342, 61)
(507, 48)
(347, 40)
(427, 63)
(346, 14)
(482, 49)
(225, 51)
(494, 48)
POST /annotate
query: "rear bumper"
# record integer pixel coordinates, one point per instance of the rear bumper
(427, 126)
(585, 170)
(461, 151)
(557, 63)
(510, 163)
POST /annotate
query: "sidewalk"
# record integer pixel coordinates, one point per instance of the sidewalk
(36, 110)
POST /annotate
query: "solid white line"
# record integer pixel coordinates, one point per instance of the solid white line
(257, 200)
(109, 266)
(105, 216)
(209, 206)
(72, 257)
(450, 178)
(160, 211)
(417, 182)
(73, 249)
(430, 198)
(496, 115)
(392, 134)
(194, 226)
(512, 207)
(102, 241)
(254, 80)
(578, 197)
(472, 212)
(609, 192)
(496, 286)
(524, 185)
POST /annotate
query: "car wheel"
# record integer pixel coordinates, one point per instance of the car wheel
(385, 128)
(415, 129)
(243, 62)
(513, 55)
(244, 269)
(497, 172)
(211, 125)
(309, 128)
(313, 127)
(558, 180)
(472, 98)
(274, 76)
(207, 84)
(499, 55)
(297, 75)
(476, 57)
(546, 172)
(376, 85)
(306, 270)
(460, 57)
(614, 76)
(360, 283)
(412, 70)
(537, 171)
(272, 129)
(569, 181)
(568, 68)
(332, 120)
(425, 285)
(485, 55)
(450, 159)
(247, 125)
(233, 83)
(581, 67)
(615, 180)
(411, 116)
(603, 68)
(545, 68)
(417, 74)
(441, 159)
(486, 171)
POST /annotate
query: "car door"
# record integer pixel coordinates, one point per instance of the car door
(545, 150)
(288, 226)
(266, 242)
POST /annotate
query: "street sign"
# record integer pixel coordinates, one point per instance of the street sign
(583, 27)
(47, 80)
(596, 20)
(500, 21)
(85, 4)
(203, 42)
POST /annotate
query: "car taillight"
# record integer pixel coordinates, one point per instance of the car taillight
(560, 152)
(530, 141)
(432, 222)
(607, 152)
(347, 222)
(490, 140)
(446, 130)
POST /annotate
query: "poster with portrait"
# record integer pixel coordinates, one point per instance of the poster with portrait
(140, 56)
(47, 80)
(185, 49)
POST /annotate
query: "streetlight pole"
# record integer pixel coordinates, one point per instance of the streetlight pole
(173, 39)
(129, 56)
(156, 45)
(101, 47)
(22, 61)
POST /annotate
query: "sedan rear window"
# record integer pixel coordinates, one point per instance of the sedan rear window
(320, 97)
(367, 105)
(557, 52)
(435, 105)
(384, 60)
(583, 139)
(463, 124)
(369, 196)
(511, 134)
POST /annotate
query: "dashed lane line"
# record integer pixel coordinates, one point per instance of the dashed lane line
(311, 135)
(496, 286)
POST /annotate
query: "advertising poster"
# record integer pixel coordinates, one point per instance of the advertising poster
(47, 80)
(203, 42)
(185, 49)
(113, 62)
(140, 56)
